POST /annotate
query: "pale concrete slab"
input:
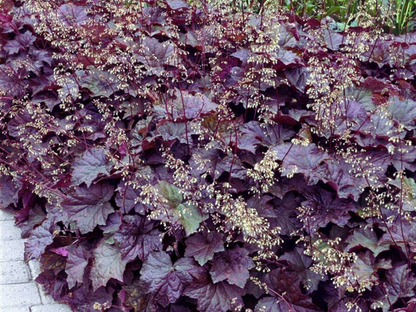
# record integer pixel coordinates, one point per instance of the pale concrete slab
(18, 309)
(44, 297)
(14, 272)
(34, 266)
(9, 231)
(6, 215)
(51, 308)
(12, 250)
(19, 295)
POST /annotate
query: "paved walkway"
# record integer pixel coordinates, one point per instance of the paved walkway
(18, 290)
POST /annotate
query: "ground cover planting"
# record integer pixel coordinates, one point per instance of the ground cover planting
(197, 156)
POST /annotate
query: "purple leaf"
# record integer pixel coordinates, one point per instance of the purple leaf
(301, 159)
(342, 180)
(287, 284)
(400, 282)
(411, 306)
(203, 247)
(242, 55)
(230, 162)
(21, 42)
(69, 88)
(219, 297)
(287, 57)
(380, 85)
(89, 166)
(286, 213)
(26, 39)
(113, 223)
(232, 265)
(194, 105)
(379, 54)
(12, 47)
(325, 208)
(50, 99)
(172, 131)
(253, 134)
(179, 308)
(402, 233)
(165, 279)
(127, 198)
(70, 15)
(76, 264)
(11, 79)
(39, 57)
(8, 191)
(297, 77)
(300, 263)
(405, 158)
(262, 205)
(155, 53)
(40, 238)
(137, 238)
(100, 83)
(53, 261)
(83, 299)
(333, 40)
(289, 36)
(177, 4)
(35, 218)
(89, 207)
(107, 264)
(271, 304)
(275, 304)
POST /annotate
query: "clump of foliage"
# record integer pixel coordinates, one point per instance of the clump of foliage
(169, 156)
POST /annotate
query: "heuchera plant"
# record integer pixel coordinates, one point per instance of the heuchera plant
(168, 156)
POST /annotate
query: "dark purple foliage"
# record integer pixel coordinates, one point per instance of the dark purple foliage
(165, 157)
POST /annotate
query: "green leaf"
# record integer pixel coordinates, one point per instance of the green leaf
(363, 96)
(183, 212)
(408, 187)
(171, 193)
(365, 239)
(190, 217)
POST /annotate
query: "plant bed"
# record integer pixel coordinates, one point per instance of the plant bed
(168, 156)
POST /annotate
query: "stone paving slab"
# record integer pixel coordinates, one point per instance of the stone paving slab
(34, 266)
(5, 215)
(19, 295)
(9, 231)
(19, 309)
(12, 250)
(51, 308)
(44, 297)
(14, 272)
(18, 290)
